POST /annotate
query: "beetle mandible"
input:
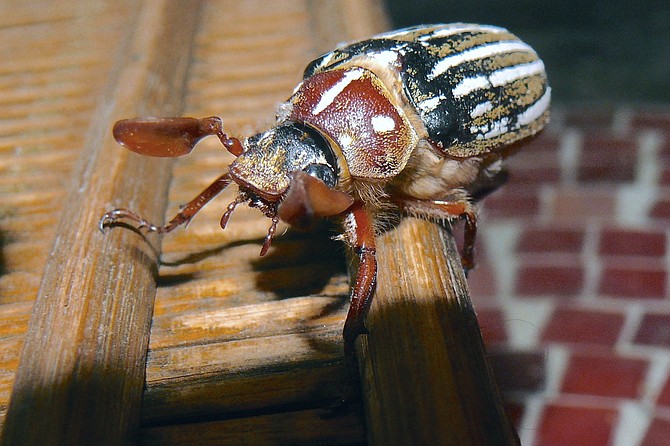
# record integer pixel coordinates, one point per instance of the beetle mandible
(416, 120)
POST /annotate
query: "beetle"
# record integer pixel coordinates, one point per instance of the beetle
(416, 120)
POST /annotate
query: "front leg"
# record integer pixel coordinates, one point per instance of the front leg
(183, 217)
(359, 231)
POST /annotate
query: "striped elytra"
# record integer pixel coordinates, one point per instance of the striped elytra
(475, 88)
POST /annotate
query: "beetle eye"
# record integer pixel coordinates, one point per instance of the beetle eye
(321, 172)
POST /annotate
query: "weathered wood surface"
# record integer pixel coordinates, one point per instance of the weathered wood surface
(81, 374)
(57, 58)
(242, 348)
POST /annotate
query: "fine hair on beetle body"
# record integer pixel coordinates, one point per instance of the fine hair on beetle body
(415, 121)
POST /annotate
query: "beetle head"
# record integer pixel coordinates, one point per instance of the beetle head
(270, 158)
(289, 171)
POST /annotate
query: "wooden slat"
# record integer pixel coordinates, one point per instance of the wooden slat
(81, 373)
(235, 333)
(56, 59)
(425, 373)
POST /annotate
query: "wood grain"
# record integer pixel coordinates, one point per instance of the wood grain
(56, 60)
(81, 372)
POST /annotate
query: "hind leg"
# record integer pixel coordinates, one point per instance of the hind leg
(459, 207)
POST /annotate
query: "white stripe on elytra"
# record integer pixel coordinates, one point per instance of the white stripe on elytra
(326, 59)
(491, 129)
(329, 95)
(497, 128)
(399, 32)
(481, 109)
(497, 78)
(535, 111)
(458, 28)
(387, 57)
(431, 104)
(479, 52)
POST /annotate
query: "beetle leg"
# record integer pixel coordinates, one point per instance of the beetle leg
(309, 197)
(230, 209)
(268, 238)
(448, 210)
(183, 216)
(360, 232)
(171, 137)
(214, 126)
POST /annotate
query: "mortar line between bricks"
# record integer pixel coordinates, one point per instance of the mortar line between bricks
(500, 241)
(634, 312)
(591, 262)
(657, 375)
(558, 357)
(635, 200)
(621, 121)
(569, 151)
(633, 421)
(530, 423)
(649, 163)
(546, 197)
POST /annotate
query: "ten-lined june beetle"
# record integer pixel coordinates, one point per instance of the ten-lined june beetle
(415, 120)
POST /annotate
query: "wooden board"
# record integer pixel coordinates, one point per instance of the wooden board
(56, 64)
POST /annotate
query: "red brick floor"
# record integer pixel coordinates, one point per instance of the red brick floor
(572, 283)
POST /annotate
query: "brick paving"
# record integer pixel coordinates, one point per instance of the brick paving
(572, 283)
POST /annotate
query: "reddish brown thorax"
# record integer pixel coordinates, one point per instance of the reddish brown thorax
(355, 110)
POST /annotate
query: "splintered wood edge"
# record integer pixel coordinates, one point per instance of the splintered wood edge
(426, 378)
